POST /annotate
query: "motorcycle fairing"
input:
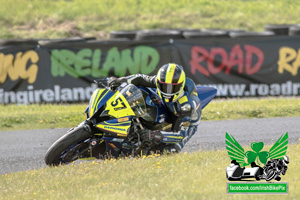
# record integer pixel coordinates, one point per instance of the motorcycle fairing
(117, 106)
(98, 99)
(206, 94)
(116, 127)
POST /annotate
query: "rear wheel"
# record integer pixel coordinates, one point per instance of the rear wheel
(257, 177)
(69, 147)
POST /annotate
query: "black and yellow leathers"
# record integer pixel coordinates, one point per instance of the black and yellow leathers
(186, 109)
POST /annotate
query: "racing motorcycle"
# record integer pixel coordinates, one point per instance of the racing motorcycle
(115, 117)
(274, 168)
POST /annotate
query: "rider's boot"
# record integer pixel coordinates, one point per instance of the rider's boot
(172, 148)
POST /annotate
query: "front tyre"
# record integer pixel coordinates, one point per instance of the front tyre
(271, 175)
(74, 137)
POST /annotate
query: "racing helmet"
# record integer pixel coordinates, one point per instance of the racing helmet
(286, 160)
(170, 82)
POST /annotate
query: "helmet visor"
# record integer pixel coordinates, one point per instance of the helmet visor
(169, 89)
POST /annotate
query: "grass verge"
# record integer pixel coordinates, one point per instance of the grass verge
(252, 108)
(199, 175)
(20, 117)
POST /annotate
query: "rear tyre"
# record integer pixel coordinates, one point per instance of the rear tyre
(257, 177)
(60, 147)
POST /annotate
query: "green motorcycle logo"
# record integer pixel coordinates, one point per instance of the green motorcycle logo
(236, 151)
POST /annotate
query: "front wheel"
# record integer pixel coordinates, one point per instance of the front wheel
(66, 148)
(270, 175)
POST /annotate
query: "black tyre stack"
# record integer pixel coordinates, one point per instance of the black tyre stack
(284, 29)
(278, 29)
(123, 34)
(251, 34)
(294, 30)
(158, 34)
(18, 42)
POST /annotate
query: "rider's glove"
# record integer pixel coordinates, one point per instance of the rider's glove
(156, 136)
(111, 81)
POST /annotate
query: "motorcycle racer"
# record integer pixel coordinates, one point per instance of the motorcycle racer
(275, 167)
(178, 94)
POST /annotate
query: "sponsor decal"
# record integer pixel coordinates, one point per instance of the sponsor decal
(114, 128)
(264, 165)
(15, 66)
(254, 89)
(124, 119)
(141, 59)
(247, 58)
(289, 60)
(55, 94)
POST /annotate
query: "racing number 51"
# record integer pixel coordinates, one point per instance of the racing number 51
(117, 101)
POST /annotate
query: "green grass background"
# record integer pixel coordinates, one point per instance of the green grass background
(20, 117)
(85, 18)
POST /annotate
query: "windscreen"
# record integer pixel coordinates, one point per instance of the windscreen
(135, 99)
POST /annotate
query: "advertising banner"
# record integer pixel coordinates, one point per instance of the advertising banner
(64, 72)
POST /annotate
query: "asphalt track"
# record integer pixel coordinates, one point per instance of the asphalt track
(25, 149)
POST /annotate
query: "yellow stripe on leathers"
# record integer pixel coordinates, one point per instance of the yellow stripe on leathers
(176, 137)
(183, 100)
(170, 73)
